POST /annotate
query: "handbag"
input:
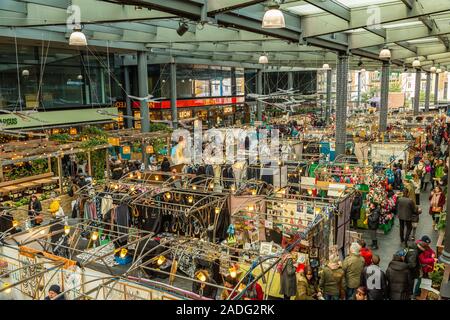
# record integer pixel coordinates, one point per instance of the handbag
(436, 209)
(39, 219)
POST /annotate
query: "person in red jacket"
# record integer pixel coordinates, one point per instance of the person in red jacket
(427, 257)
(254, 291)
(365, 252)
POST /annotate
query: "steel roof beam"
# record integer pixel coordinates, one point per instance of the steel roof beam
(13, 6)
(222, 6)
(316, 25)
(332, 7)
(408, 3)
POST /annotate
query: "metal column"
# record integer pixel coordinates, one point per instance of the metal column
(341, 103)
(384, 103)
(129, 111)
(143, 90)
(436, 89)
(417, 92)
(233, 82)
(427, 92)
(358, 101)
(328, 102)
(290, 84)
(259, 90)
(173, 94)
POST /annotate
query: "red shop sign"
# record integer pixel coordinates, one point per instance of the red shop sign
(189, 103)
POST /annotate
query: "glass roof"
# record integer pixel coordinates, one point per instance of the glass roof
(305, 9)
(362, 3)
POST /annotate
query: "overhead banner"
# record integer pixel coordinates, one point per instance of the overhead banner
(42, 119)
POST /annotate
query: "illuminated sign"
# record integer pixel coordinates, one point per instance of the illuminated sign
(187, 103)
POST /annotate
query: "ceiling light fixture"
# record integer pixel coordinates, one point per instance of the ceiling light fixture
(274, 17)
(182, 28)
(326, 66)
(416, 63)
(77, 38)
(385, 53)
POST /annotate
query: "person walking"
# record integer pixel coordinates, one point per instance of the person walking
(373, 222)
(412, 259)
(365, 252)
(374, 279)
(426, 179)
(427, 260)
(405, 211)
(332, 280)
(398, 278)
(34, 211)
(287, 277)
(353, 266)
(355, 212)
(437, 202)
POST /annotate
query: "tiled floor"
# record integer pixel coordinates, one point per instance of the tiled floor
(390, 243)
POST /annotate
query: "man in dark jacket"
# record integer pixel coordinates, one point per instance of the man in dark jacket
(373, 222)
(412, 259)
(374, 279)
(405, 211)
(398, 278)
(54, 293)
(355, 212)
(288, 279)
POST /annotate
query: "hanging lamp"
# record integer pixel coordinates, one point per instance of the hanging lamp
(326, 66)
(273, 17)
(433, 69)
(416, 63)
(263, 59)
(77, 38)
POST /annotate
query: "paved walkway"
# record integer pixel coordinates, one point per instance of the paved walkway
(390, 243)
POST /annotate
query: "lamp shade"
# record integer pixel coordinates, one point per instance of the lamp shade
(263, 59)
(362, 70)
(126, 150)
(433, 69)
(77, 38)
(385, 53)
(326, 66)
(114, 141)
(438, 70)
(416, 63)
(273, 19)
(80, 77)
(149, 149)
(25, 73)
(73, 131)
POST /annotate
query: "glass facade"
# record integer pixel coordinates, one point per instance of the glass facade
(49, 78)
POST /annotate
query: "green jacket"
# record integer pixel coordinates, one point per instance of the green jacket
(353, 266)
(332, 281)
(439, 172)
(305, 291)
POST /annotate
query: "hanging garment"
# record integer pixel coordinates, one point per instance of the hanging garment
(122, 221)
(106, 204)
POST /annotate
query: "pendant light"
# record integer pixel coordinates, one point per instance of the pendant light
(385, 53)
(433, 69)
(416, 63)
(274, 17)
(25, 73)
(326, 66)
(362, 70)
(438, 70)
(77, 38)
(263, 59)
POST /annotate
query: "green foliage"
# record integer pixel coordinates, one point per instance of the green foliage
(395, 87)
(93, 131)
(34, 167)
(98, 161)
(61, 137)
(159, 127)
(93, 142)
(366, 96)
(158, 145)
(422, 96)
(438, 274)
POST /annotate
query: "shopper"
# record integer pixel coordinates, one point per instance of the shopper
(405, 211)
(287, 277)
(427, 256)
(373, 223)
(332, 280)
(54, 293)
(437, 202)
(361, 294)
(355, 213)
(305, 284)
(374, 279)
(353, 266)
(412, 259)
(398, 278)
(426, 179)
(254, 291)
(34, 211)
(365, 252)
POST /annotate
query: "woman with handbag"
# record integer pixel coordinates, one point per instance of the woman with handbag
(34, 211)
(437, 201)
